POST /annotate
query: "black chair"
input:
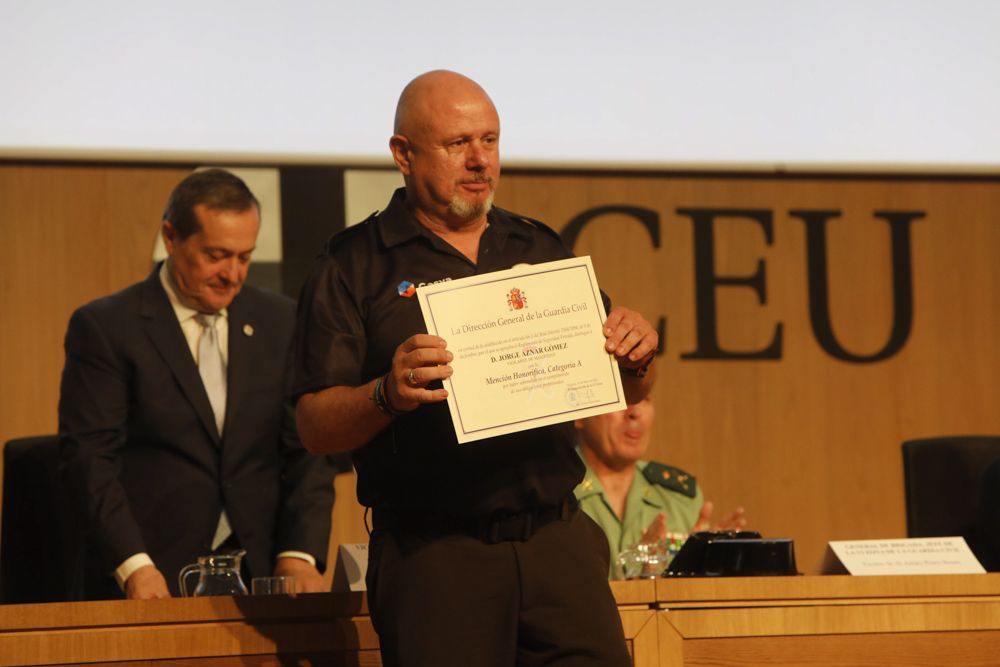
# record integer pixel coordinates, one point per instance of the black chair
(39, 556)
(946, 493)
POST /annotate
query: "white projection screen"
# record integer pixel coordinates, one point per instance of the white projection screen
(910, 84)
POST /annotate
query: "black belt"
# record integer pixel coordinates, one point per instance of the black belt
(517, 526)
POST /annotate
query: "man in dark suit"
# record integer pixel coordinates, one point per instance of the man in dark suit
(176, 436)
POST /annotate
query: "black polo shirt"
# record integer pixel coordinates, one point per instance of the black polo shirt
(359, 305)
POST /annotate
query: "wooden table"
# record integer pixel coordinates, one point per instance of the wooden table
(834, 620)
(314, 629)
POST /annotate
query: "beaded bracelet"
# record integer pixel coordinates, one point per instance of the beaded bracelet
(380, 400)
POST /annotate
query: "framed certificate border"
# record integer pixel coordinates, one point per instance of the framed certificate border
(559, 282)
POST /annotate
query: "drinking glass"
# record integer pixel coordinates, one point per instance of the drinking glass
(272, 585)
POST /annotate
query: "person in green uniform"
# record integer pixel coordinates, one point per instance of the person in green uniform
(636, 501)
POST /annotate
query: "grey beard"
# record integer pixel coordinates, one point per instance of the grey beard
(470, 211)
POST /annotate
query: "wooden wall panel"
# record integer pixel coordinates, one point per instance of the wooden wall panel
(809, 444)
(68, 234)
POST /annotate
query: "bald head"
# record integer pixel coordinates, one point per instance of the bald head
(447, 146)
(432, 93)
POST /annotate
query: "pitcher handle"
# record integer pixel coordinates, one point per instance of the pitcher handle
(182, 577)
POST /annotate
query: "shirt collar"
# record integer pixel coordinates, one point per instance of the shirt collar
(590, 485)
(397, 224)
(182, 311)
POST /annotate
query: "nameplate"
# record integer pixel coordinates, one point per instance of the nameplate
(351, 568)
(920, 555)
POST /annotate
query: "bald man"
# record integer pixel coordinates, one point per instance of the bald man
(478, 555)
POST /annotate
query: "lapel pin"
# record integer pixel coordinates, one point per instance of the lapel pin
(247, 329)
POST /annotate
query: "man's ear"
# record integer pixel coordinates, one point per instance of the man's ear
(400, 148)
(169, 236)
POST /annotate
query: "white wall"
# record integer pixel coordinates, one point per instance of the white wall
(633, 82)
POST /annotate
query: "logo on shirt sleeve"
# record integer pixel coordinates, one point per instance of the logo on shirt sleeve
(406, 288)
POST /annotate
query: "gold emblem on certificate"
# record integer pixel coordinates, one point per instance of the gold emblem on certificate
(517, 299)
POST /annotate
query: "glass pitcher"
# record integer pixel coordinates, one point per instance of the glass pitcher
(218, 574)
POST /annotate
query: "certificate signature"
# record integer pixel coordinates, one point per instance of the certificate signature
(528, 347)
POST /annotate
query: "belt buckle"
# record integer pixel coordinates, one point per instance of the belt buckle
(522, 526)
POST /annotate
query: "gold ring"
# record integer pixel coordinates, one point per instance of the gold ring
(409, 378)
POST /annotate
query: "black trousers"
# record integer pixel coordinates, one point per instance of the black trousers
(442, 600)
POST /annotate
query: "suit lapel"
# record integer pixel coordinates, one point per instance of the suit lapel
(241, 356)
(165, 332)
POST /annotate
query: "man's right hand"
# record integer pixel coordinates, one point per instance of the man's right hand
(418, 361)
(656, 531)
(146, 583)
(339, 418)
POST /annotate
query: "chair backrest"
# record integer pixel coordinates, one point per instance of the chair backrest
(38, 553)
(944, 479)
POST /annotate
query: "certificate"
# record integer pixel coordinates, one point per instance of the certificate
(528, 347)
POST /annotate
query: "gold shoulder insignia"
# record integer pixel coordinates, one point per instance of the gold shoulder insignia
(671, 478)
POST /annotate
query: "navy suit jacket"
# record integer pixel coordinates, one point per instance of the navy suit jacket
(141, 452)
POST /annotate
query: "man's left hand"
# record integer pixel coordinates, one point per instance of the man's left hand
(735, 520)
(630, 337)
(307, 577)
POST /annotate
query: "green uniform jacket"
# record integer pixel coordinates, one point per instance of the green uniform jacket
(656, 488)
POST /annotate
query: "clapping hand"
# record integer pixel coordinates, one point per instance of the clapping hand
(656, 531)
(735, 521)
